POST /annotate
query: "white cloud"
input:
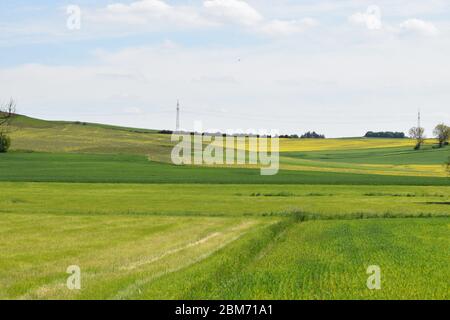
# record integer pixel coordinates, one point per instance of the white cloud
(288, 27)
(152, 6)
(157, 14)
(420, 27)
(235, 11)
(371, 18)
(240, 12)
(149, 12)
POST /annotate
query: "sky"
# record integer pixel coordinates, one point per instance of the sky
(339, 67)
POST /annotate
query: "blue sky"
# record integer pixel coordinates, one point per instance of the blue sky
(338, 67)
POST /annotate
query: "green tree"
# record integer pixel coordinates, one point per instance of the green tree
(7, 112)
(417, 133)
(442, 133)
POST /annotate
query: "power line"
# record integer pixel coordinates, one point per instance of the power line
(241, 116)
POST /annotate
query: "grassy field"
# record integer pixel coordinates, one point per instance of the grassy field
(72, 167)
(148, 257)
(88, 195)
(393, 157)
(321, 260)
(229, 200)
(113, 252)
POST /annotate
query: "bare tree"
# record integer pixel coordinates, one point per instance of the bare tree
(418, 134)
(7, 112)
(442, 133)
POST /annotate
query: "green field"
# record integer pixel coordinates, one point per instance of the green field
(106, 198)
(73, 167)
(229, 200)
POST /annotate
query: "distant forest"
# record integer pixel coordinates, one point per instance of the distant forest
(307, 135)
(312, 135)
(385, 134)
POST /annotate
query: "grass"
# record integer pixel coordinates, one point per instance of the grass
(168, 241)
(63, 136)
(391, 161)
(67, 167)
(28, 134)
(392, 155)
(322, 260)
(87, 194)
(141, 257)
(351, 155)
(221, 200)
(111, 250)
(295, 145)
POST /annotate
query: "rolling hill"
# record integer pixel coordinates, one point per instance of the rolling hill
(108, 200)
(319, 158)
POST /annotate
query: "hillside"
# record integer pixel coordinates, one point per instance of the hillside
(347, 155)
(29, 134)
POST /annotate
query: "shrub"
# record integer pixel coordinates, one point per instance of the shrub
(5, 142)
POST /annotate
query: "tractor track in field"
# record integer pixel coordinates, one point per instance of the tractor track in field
(140, 263)
(135, 287)
(49, 289)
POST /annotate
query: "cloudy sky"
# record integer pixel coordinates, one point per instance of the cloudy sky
(340, 67)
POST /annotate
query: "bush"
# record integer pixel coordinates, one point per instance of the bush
(5, 142)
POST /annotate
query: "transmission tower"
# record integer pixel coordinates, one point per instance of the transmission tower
(178, 116)
(418, 119)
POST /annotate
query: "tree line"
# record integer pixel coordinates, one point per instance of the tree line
(385, 134)
(307, 135)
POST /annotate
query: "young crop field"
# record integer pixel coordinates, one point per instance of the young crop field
(106, 199)
(114, 252)
(148, 257)
(122, 168)
(322, 260)
(225, 200)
